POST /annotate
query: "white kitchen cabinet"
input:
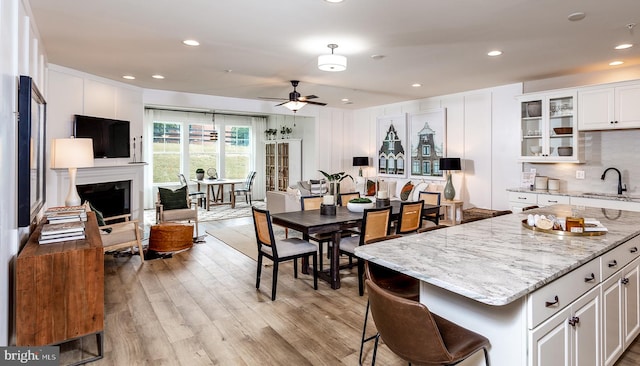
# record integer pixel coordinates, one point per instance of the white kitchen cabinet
(621, 311)
(609, 107)
(548, 121)
(283, 163)
(570, 337)
(520, 200)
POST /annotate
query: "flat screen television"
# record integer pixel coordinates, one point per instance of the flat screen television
(110, 136)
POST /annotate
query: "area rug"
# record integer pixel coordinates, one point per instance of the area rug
(217, 212)
(243, 238)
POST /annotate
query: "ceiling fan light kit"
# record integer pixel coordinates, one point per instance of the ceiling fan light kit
(294, 105)
(332, 62)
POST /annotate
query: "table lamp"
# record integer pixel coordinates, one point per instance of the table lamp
(72, 153)
(449, 164)
(360, 161)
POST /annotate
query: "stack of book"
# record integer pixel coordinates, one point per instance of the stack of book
(57, 232)
(65, 214)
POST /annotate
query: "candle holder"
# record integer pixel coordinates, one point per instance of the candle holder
(328, 210)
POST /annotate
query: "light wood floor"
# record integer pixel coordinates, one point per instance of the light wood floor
(201, 308)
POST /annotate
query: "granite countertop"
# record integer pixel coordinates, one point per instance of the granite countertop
(597, 195)
(496, 261)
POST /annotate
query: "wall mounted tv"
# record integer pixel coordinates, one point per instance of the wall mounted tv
(110, 136)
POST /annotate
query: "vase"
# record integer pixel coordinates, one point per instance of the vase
(449, 191)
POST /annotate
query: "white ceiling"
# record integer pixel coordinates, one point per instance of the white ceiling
(441, 44)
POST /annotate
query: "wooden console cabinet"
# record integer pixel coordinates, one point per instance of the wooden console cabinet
(60, 289)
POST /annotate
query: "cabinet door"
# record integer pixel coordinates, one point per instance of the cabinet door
(596, 109)
(551, 341)
(612, 340)
(586, 330)
(631, 295)
(627, 110)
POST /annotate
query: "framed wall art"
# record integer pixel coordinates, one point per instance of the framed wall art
(427, 142)
(391, 146)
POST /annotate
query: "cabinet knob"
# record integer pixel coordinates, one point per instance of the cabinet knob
(613, 263)
(611, 122)
(551, 303)
(590, 278)
(615, 122)
(633, 249)
(624, 281)
(574, 320)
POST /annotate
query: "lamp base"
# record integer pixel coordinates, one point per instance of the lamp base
(73, 198)
(449, 191)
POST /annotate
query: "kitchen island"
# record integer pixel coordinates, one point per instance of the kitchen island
(516, 286)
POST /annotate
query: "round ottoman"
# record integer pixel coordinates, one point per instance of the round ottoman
(170, 237)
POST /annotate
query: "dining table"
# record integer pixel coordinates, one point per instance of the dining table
(311, 222)
(218, 198)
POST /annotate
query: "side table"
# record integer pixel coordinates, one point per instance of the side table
(453, 212)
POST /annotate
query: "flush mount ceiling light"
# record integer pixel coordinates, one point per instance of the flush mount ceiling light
(574, 17)
(332, 62)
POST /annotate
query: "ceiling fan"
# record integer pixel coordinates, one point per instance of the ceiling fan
(296, 101)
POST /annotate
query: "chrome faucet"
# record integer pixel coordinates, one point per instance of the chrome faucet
(620, 188)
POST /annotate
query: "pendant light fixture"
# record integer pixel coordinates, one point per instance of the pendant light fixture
(332, 62)
(213, 135)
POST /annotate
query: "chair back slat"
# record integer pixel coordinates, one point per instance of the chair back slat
(375, 224)
(410, 217)
(430, 198)
(262, 225)
(346, 197)
(310, 202)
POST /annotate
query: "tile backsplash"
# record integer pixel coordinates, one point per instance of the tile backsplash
(603, 149)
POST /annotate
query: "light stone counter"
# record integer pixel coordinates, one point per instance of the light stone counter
(497, 261)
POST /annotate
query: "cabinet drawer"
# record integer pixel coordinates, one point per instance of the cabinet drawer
(528, 198)
(615, 259)
(553, 297)
(549, 199)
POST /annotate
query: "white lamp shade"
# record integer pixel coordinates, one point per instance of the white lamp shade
(332, 62)
(294, 105)
(72, 153)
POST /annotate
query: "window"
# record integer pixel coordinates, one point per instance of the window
(426, 150)
(203, 153)
(237, 151)
(166, 151)
(426, 168)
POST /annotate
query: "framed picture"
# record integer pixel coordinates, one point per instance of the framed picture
(391, 146)
(31, 151)
(428, 137)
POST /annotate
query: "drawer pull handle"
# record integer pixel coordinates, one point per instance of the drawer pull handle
(633, 250)
(624, 281)
(613, 263)
(551, 303)
(574, 320)
(522, 198)
(590, 278)
(552, 201)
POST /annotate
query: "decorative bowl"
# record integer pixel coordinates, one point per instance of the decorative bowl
(359, 207)
(565, 151)
(534, 109)
(535, 150)
(563, 130)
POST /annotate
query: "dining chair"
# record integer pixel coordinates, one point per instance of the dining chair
(410, 219)
(431, 198)
(343, 198)
(175, 205)
(280, 250)
(196, 197)
(247, 188)
(313, 203)
(376, 223)
(430, 340)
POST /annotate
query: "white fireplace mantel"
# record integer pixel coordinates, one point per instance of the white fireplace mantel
(103, 174)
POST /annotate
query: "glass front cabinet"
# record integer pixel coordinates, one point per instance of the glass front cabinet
(549, 128)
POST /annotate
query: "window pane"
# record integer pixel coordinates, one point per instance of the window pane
(166, 152)
(237, 151)
(203, 153)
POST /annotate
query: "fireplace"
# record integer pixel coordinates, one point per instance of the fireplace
(111, 198)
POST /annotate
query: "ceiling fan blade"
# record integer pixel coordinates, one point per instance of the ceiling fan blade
(269, 98)
(307, 97)
(316, 103)
(277, 105)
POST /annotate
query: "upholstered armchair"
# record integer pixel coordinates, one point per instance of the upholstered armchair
(175, 205)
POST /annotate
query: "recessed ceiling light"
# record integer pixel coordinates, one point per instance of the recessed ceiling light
(344, 100)
(416, 85)
(157, 76)
(623, 46)
(191, 42)
(129, 77)
(494, 53)
(377, 57)
(334, 1)
(615, 63)
(574, 17)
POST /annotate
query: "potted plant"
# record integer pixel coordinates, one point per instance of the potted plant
(199, 174)
(359, 204)
(334, 181)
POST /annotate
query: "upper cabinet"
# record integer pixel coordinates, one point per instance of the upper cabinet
(548, 127)
(609, 107)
